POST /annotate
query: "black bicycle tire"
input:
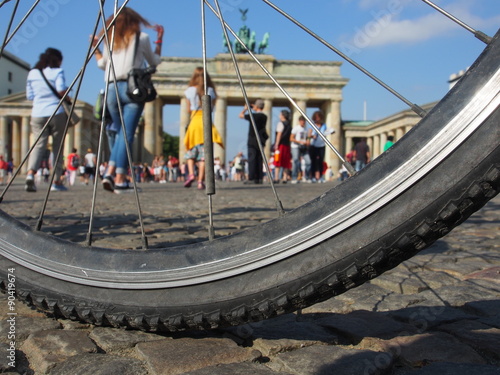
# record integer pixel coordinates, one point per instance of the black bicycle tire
(113, 287)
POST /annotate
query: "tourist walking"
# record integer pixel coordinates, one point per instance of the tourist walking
(239, 167)
(126, 28)
(3, 170)
(194, 138)
(255, 161)
(317, 146)
(389, 143)
(72, 166)
(361, 154)
(300, 151)
(90, 166)
(46, 77)
(282, 151)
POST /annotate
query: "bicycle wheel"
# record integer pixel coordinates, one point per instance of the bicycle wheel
(442, 171)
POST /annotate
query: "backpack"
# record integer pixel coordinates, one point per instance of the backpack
(75, 161)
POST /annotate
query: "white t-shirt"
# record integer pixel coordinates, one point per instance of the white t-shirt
(89, 160)
(300, 135)
(123, 59)
(192, 95)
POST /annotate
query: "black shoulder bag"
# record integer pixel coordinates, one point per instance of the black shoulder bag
(140, 87)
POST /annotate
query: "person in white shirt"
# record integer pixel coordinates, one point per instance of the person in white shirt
(299, 144)
(45, 103)
(90, 165)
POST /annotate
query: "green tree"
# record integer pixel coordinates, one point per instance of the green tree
(170, 144)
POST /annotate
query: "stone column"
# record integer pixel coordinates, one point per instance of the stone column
(220, 123)
(4, 135)
(149, 147)
(399, 134)
(77, 134)
(268, 110)
(184, 116)
(159, 126)
(331, 109)
(376, 146)
(383, 140)
(370, 142)
(15, 150)
(296, 114)
(348, 145)
(25, 142)
(70, 140)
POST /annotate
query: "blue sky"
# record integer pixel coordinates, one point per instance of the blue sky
(403, 42)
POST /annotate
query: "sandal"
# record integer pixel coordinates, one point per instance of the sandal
(189, 181)
(201, 185)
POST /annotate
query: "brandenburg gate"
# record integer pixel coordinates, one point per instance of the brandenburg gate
(311, 84)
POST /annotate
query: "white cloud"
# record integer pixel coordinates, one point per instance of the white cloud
(411, 31)
(393, 24)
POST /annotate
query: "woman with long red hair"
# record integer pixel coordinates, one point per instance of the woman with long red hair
(123, 35)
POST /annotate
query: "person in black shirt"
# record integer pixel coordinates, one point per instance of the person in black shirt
(361, 154)
(255, 165)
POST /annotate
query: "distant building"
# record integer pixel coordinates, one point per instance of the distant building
(377, 132)
(13, 74)
(15, 114)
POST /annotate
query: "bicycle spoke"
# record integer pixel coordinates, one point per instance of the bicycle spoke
(81, 76)
(210, 189)
(206, 105)
(478, 34)
(414, 107)
(7, 39)
(109, 45)
(70, 87)
(8, 28)
(218, 13)
(3, 3)
(100, 16)
(291, 100)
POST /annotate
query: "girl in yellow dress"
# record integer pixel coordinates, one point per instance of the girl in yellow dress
(193, 140)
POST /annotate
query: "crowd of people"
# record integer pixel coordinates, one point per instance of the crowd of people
(298, 151)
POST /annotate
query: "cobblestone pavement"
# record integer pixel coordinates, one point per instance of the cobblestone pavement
(437, 313)
(172, 215)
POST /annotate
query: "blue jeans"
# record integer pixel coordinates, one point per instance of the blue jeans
(131, 115)
(296, 154)
(111, 135)
(359, 165)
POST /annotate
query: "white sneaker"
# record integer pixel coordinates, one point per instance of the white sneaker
(125, 189)
(55, 187)
(30, 184)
